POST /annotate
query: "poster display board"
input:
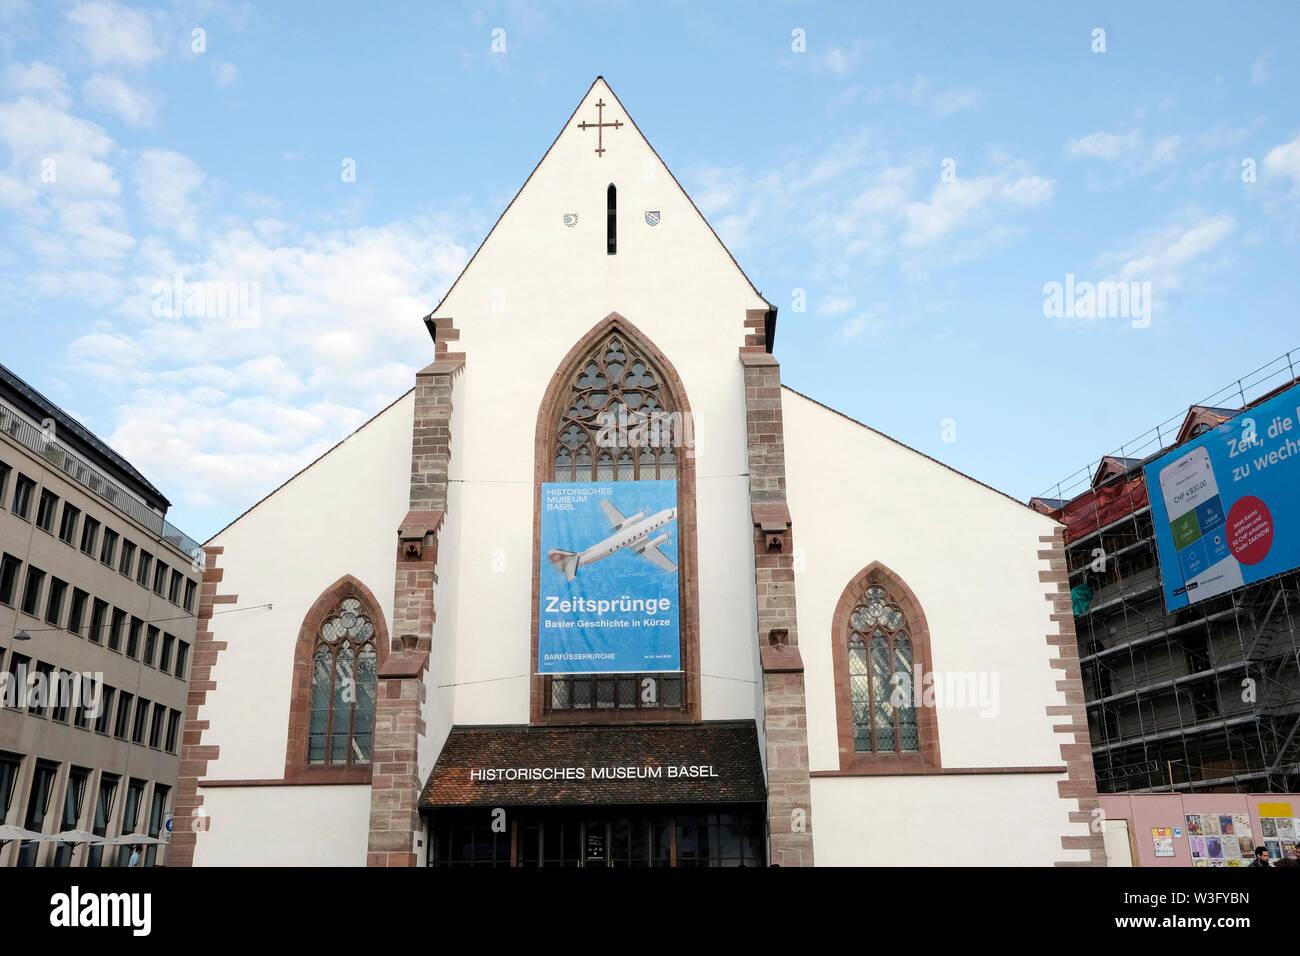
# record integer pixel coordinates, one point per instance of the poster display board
(608, 588)
(1224, 505)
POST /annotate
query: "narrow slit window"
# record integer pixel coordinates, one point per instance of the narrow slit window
(611, 219)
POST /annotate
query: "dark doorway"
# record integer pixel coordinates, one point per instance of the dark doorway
(599, 837)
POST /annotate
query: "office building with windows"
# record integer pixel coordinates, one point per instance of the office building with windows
(99, 597)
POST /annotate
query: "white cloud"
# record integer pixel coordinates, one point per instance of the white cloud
(40, 80)
(164, 181)
(1102, 145)
(1163, 257)
(921, 94)
(837, 304)
(114, 35)
(966, 202)
(226, 74)
(1259, 70)
(135, 107)
(34, 132)
(222, 409)
(1284, 161)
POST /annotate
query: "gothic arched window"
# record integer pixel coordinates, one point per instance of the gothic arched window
(616, 411)
(881, 679)
(336, 665)
(343, 689)
(881, 644)
(618, 423)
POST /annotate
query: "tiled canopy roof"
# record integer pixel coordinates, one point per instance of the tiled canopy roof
(728, 748)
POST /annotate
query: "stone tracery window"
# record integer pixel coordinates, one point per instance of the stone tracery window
(618, 424)
(344, 664)
(881, 680)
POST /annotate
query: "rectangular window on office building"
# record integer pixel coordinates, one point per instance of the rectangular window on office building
(98, 613)
(9, 568)
(68, 523)
(128, 557)
(156, 725)
(157, 811)
(115, 626)
(103, 813)
(87, 697)
(4, 479)
(54, 603)
(159, 578)
(133, 637)
(45, 510)
(10, 764)
(130, 817)
(109, 549)
(173, 730)
(61, 688)
(16, 685)
(32, 590)
(40, 690)
(150, 645)
(182, 658)
(23, 488)
(141, 720)
(89, 535)
(105, 710)
(72, 800)
(174, 589)
(191, 588)
(142, 570)
(38, 805)
(123, 722)
(77, 611)
(168, 645)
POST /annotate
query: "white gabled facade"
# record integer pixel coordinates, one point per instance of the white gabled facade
(459, 577)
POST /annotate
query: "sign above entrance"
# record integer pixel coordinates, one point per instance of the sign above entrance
(608, 593)
(714, 762)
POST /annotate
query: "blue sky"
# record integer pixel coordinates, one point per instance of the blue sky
(823, 169)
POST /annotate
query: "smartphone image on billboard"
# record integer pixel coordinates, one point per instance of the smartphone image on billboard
(1198, 525)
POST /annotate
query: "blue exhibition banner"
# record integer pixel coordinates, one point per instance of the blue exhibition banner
(608, 591)
(1226, 505)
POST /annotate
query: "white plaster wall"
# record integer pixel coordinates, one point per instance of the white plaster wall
(1005, 820)
(970, 555)
(534, 289)
(284, 826)
(339, 516)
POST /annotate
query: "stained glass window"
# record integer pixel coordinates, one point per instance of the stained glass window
(342, 710)
(619, 423)
(881, 680)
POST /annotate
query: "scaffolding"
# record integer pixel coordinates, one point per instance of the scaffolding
(1202, 699)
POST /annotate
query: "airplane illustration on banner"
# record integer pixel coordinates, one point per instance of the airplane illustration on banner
(629, 532)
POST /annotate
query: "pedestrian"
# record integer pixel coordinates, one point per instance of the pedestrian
(135, 856)
(1261, 856)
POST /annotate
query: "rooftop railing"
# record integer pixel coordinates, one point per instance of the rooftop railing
(1281, 371)
(90, 478)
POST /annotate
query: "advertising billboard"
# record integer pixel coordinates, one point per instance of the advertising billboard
(1226, 505)
(608, 589)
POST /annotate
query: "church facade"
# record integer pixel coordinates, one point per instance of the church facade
(600, 590)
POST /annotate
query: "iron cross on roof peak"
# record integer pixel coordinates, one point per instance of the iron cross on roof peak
(599, 126)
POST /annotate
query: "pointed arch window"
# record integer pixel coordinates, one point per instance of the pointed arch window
(616, 391)
(881, 643)
(344, 665)
(616, 412)
(880, 679)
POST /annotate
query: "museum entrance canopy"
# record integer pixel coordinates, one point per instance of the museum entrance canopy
(656, 764)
